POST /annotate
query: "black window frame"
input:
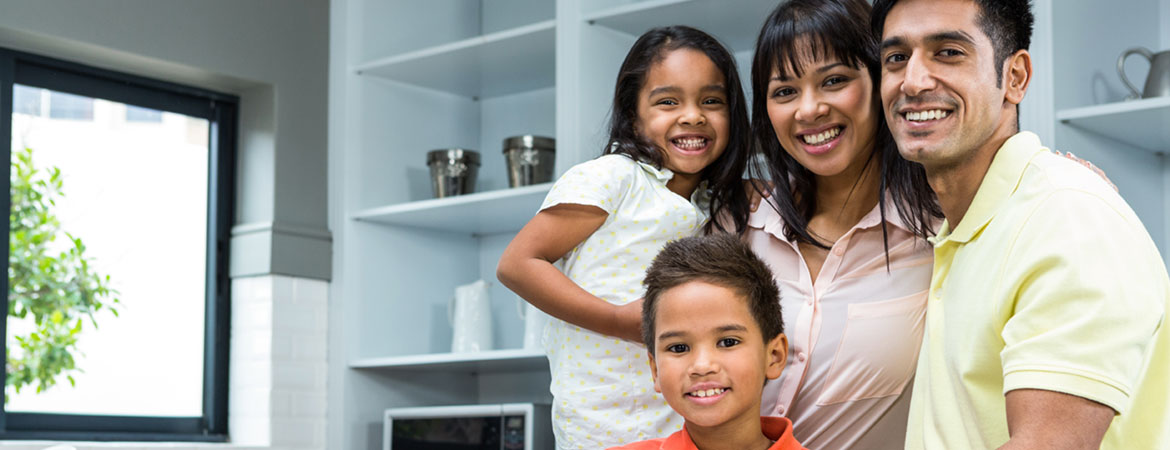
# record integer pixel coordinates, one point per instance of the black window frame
(221, 111)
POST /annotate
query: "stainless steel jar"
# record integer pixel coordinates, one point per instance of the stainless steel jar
(453, 171)
(530, 159)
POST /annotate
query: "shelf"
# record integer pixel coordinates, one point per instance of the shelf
(515, 360)
(1142, 123)
(507, 62)
(482, 213)
(736, 26)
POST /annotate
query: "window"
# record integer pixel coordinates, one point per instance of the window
(120, 192)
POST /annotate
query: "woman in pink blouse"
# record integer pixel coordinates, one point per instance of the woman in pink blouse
(844, 228)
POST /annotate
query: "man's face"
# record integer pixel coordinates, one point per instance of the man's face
(939, 84)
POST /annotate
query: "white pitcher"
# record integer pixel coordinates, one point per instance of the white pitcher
(470, 315)
(534, 320)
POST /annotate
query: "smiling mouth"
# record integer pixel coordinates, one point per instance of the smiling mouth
(708, 392)
(926, 116)
(822, 137)
(690, 143)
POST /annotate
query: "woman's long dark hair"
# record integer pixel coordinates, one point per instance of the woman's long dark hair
(824, 29)
(725, 175)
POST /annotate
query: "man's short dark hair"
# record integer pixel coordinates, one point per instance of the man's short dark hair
(1007, 23)
(720, 259)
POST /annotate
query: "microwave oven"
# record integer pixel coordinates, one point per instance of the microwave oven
(509, 426)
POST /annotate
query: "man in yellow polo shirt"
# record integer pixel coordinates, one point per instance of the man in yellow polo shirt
(1045, 321)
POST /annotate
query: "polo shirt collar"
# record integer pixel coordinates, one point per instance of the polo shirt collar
(1003, 176)
(768, 219)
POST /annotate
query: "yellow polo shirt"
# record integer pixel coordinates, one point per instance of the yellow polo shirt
(1049, 282)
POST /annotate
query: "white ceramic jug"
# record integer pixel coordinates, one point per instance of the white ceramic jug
(534, 320)
(470, 315)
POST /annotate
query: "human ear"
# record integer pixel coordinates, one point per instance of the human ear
(654, 372)
(1017, 75)
(777, 353)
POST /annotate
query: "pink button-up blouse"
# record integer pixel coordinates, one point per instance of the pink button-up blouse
(853, 333)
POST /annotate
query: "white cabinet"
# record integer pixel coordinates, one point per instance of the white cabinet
(421, 75)
(415, 75)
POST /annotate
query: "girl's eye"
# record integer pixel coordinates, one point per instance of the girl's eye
(728, 342)
(713, 101)
(677, 348)
(666, 101)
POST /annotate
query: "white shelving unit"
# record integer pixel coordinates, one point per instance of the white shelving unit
(423, 75)
(1141, 123)
(514, 360)
(476, 214)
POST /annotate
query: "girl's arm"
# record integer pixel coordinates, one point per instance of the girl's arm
(526, 268)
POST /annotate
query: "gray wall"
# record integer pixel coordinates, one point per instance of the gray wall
(274, 54)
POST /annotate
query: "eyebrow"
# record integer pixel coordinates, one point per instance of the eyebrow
(722, 329)
(942, 36)
(819, 70)
(672, 89)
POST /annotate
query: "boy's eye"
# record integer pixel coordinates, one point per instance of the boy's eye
(677, 348)
(728, 342)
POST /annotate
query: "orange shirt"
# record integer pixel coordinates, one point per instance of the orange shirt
(778, 429)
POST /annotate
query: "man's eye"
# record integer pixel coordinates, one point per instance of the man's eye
(894, 58)
(728, 342)
(950, 52)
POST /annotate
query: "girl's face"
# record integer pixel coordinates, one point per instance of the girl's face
(827, 118)
(682, 111)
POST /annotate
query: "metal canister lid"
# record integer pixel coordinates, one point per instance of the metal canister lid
(530, 141)
(453, 154)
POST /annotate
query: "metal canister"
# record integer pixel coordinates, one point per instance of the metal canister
(530, 159)
(453, 171)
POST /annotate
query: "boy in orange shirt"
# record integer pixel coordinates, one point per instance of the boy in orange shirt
(712, 326)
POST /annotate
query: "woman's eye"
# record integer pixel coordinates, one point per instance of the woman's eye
(783, 92)
(728, 342)
(676, 348)
(835, 80)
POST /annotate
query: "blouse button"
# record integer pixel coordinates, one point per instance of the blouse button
(801, 356)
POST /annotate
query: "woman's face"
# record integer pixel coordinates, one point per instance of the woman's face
(827, 118)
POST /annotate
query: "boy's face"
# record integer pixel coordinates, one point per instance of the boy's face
(710, 360)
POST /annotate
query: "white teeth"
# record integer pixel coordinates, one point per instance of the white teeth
(922, 116)
(708, 392)
(691, 142)
(814, 139)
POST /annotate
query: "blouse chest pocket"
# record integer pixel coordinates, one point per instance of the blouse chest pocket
(878, 351)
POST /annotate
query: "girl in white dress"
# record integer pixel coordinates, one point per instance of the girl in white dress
(678, 147)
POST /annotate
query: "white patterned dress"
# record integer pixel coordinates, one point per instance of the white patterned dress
(603, 392)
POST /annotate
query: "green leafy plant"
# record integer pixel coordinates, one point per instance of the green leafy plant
(51, 284)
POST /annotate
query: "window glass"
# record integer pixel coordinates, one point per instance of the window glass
(135, 198)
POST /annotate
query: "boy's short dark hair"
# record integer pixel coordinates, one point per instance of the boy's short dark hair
(720, 259)
(1007, 23)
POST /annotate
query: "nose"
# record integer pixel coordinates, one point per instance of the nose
(810, 107)
(692, 114)
(918, 77)
(704, 362)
